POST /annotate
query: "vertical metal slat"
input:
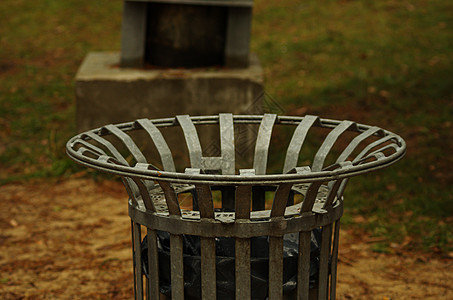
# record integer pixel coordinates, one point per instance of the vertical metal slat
(160, 143)
(227, 143)
(138, 260)
(192, 140)
(153, 265)
(280, 200)
(242, 203)
(275, 268)
(333, 267)
(310, 197)
(133, 258)
(276, 243)
(208, 269)
(177, 267)
(171, 198)
(132, 186)
(242, 269)
(333, 192)
(324, 262)
(144, 193)
(128, 142)
(328, 143)
(205, 202)
(242, 246)
(208, 255)
(262, 143)
(303, 262)
(299, 135)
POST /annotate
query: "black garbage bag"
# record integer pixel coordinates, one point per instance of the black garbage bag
(225, 277)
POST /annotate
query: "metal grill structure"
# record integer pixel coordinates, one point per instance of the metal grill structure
(305, 197)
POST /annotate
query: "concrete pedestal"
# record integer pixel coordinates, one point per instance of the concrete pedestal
(108, 94)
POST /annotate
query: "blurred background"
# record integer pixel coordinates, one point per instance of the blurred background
(386, 63)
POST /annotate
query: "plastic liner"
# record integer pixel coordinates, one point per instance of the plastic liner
(225, 248)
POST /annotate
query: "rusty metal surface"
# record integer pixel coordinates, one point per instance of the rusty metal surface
(247, 212)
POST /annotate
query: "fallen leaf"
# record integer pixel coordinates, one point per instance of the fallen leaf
(13, 223)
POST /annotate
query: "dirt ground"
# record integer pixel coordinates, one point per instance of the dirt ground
(71, 240)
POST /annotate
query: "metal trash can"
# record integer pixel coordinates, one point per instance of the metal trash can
(209, 247)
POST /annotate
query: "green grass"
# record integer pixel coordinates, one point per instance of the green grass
(386, 63)
(41, 47)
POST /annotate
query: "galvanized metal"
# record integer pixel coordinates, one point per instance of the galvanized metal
(153, 193)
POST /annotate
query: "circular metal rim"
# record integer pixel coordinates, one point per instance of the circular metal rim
(212, 228)
(177, 177)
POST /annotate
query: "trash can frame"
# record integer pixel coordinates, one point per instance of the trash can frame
(153, 196)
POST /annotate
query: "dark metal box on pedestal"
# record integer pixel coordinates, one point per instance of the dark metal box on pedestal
(186, 33)
(177, 57)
